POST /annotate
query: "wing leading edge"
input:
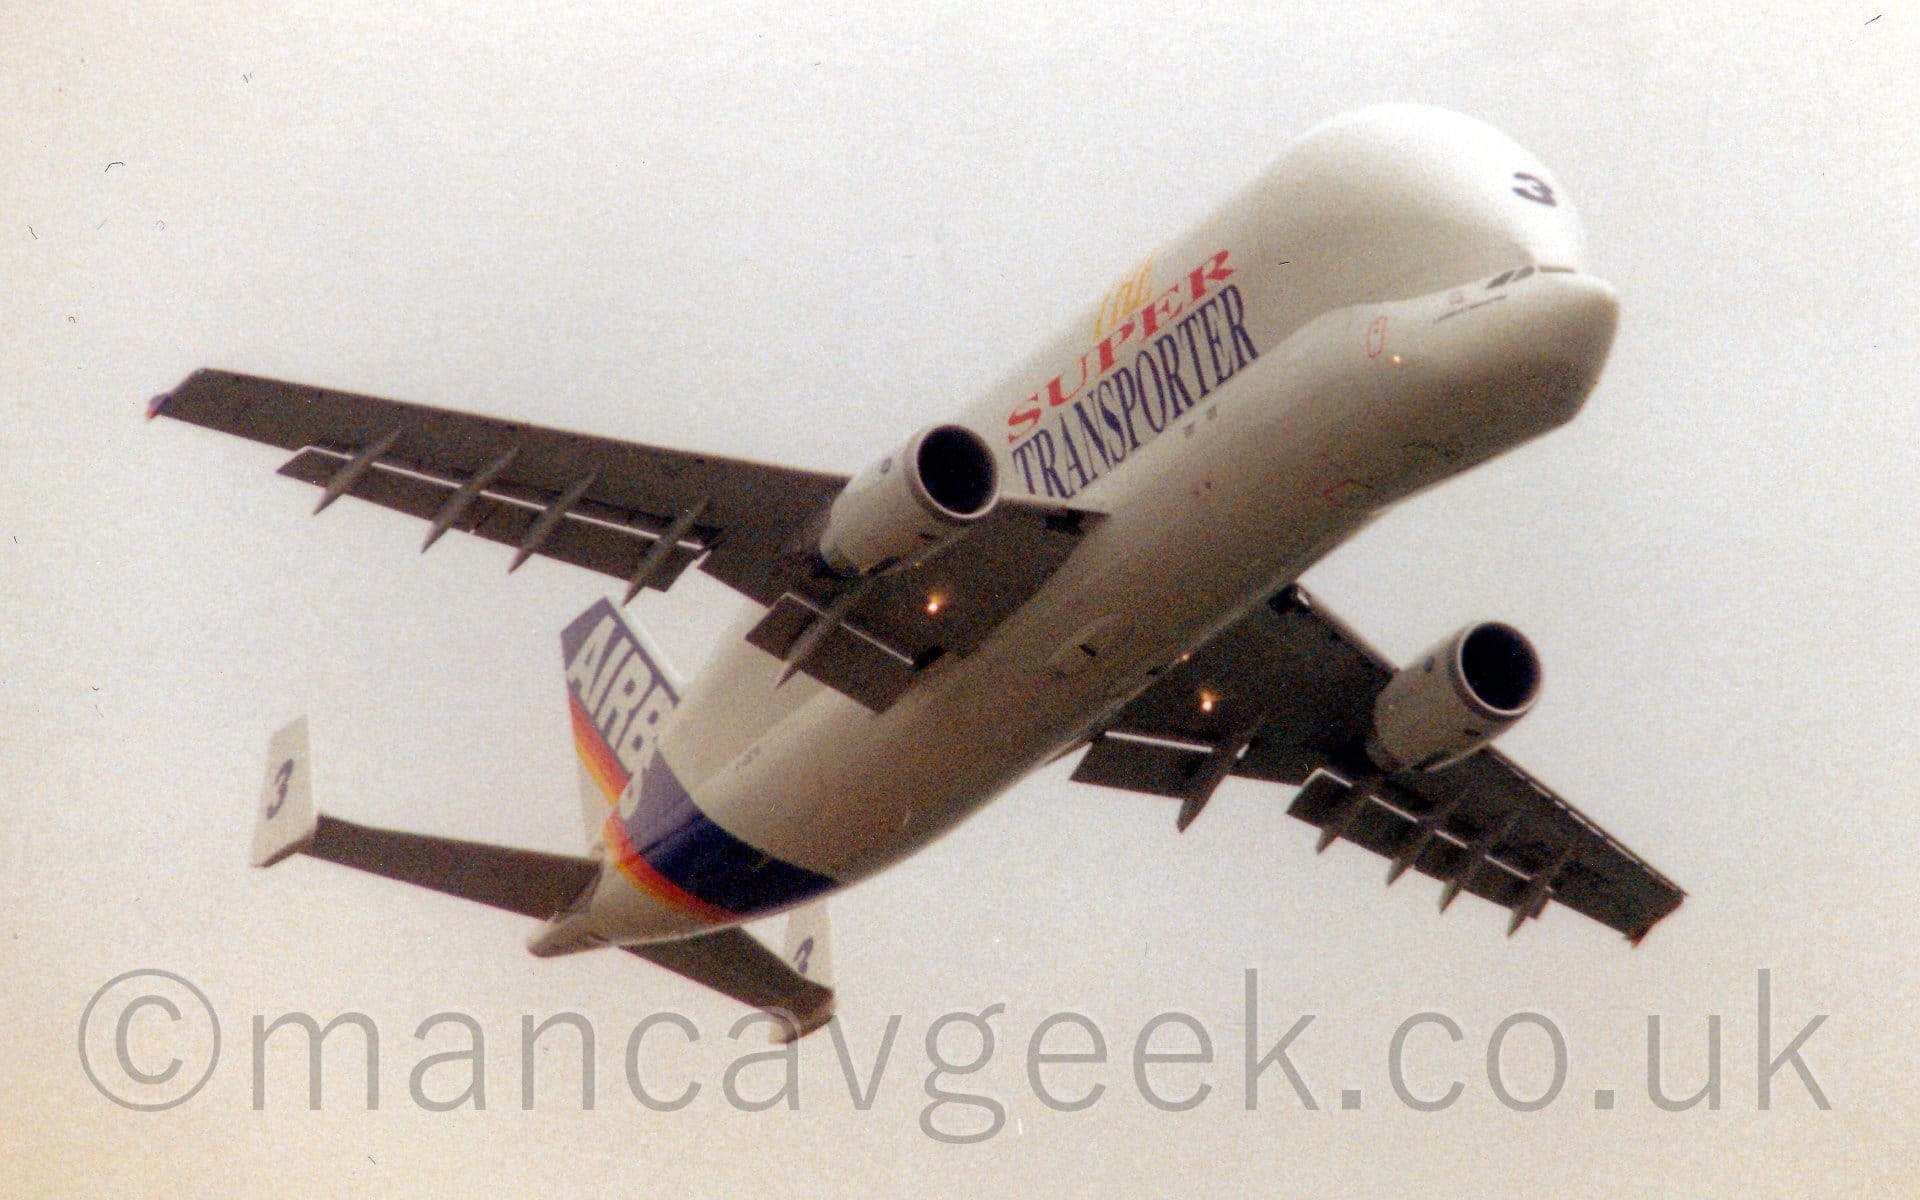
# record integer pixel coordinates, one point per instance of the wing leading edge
(1286, 695)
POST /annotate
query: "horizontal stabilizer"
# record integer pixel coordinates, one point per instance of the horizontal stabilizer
(540, 885)
(531, 883)
(528, 882)
(733, 963)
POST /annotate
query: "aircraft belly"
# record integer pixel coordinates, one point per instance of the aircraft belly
(1305, 447)
(1207, 521)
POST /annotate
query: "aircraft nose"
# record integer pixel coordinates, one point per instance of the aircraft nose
(1584, 303)
(1567, 322)
(1508, 360)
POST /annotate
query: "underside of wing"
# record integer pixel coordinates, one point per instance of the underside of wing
(643, 514)
(876, 633)
(637, 513)
(1286, 695)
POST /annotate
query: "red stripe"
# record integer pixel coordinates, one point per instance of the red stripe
(612, 778)
(621, 851)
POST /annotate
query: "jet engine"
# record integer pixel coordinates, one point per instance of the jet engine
(1454, 699)
(912, 503)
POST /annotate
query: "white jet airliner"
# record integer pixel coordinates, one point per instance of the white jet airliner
(1101, 552)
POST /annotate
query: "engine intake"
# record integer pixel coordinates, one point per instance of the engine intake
(1454, 699)
(912, 503)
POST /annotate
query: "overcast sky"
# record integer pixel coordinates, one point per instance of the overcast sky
(799, 237)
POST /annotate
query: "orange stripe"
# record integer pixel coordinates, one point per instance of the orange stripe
(596, 754)
(643, 876)
(612, 779)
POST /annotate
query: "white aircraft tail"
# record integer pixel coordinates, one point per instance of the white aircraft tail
(810, 943)
(809, 953)
(285, 821)
(621, 691)
(554, 888)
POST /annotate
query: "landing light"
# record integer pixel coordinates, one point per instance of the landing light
(934, 604)
(1207, 702)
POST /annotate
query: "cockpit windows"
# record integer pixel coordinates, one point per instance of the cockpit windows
(1516, 275)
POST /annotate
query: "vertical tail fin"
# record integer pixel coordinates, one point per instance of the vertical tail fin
(621, 692)
(810, 953)
(810, 943)
(286, 820)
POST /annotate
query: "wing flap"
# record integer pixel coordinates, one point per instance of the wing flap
(973, 586)
(847, 659)
(1381, 824)
(609, 545)
(1596, 875)
(1283, 671)
(887, 628)
(1159, 768)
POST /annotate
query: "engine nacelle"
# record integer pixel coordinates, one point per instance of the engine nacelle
(912, 503)
(1454, 699)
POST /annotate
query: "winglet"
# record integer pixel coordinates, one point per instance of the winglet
(809, 952)
(285, 821)
(810, 943)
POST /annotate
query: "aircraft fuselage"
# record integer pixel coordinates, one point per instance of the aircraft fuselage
(1400, 297)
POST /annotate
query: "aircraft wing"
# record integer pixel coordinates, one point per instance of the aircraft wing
(539, 885)
(642, 514)
(1286, 695)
